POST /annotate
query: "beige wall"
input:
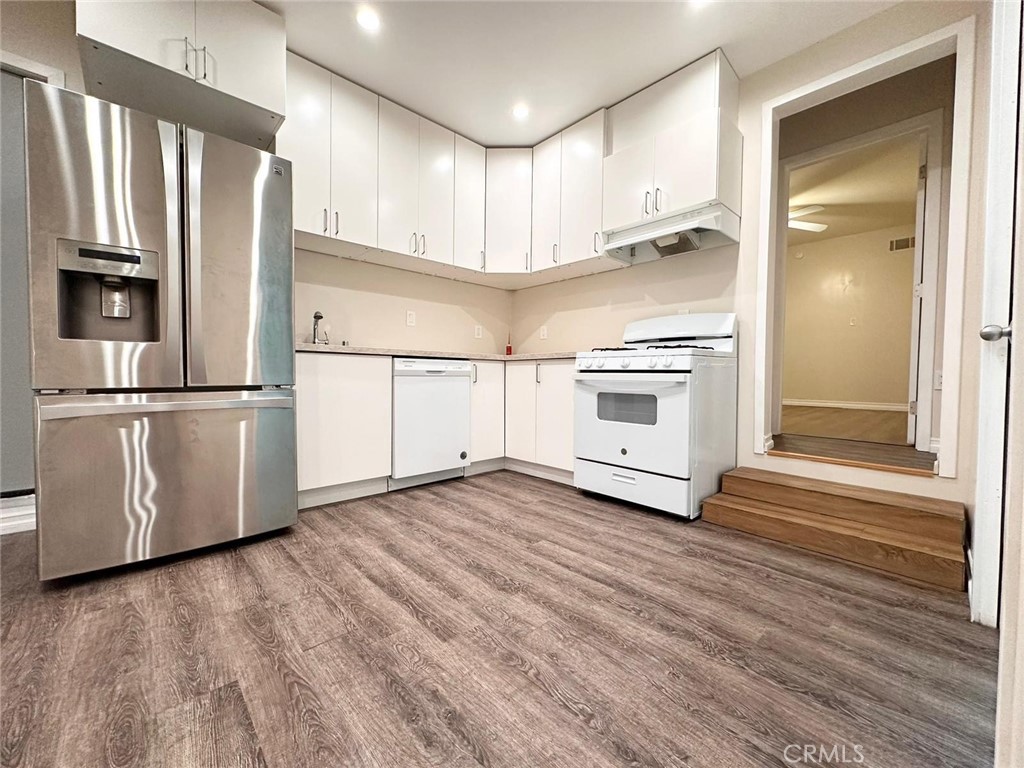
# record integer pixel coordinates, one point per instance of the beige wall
(366, 305)
(44, 32)
(848, 313)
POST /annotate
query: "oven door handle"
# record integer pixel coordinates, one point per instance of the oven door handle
(632, 382)
(637, 387)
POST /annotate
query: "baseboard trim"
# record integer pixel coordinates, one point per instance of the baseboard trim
(852, 406)
(400, 484)
(563, 476)
(331, 494)
(17, 514)
(933, 446)
(485, 466)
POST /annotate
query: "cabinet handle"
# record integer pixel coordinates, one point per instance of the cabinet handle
(415, 243)
(596, 235)
(423, 246)
(474, 373)
(554, 253)
(204, 65)
(325, 221)
(337, 228)
(187, 67)
(527, 261)
(537, 369)
(647, 203)
(483, 261)
(657, 200)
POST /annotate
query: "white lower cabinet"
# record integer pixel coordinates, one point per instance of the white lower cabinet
(487, 411)
(343, 415)
(539, 412)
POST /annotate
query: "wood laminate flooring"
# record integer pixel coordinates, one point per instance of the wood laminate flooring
(855, 453)
(496, 621)
(889, 427)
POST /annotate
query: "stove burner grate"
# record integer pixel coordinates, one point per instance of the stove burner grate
(611, 349)
(677, 346)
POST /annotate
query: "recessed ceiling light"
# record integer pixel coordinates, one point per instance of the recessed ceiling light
(368, 19)
(520, 111)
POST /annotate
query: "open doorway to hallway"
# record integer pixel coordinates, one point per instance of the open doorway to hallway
(859, 341)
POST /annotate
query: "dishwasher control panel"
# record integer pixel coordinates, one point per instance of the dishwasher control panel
(427, 366)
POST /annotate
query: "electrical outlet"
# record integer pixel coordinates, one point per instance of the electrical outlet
(478, 331)
(938, 380)
(410, 319)
(853, 321)
(543, 332)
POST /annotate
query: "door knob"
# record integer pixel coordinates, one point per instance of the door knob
(996, 332)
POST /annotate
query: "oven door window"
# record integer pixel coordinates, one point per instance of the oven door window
(627, 408)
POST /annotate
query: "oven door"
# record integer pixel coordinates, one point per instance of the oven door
(636, 420)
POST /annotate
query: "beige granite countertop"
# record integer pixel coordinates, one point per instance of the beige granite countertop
(339, 349)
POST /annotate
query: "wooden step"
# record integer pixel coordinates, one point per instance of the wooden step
(894, 552)
(931, 519)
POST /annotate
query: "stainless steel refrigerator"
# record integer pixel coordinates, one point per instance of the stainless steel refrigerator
(161, 270)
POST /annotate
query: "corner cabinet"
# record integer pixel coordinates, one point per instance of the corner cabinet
(343, 418)
(487, 411)
(539, 412)
(470, 196)
(508, 214)
(218, 66)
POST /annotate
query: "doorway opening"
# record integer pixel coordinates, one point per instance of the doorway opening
(857, 351)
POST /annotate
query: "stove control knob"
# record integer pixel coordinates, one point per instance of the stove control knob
(667, 362)
(600, 362)
(587, 363)
(625, 362)
(652, 362)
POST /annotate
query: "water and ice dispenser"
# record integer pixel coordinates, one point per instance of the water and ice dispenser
(107, 293)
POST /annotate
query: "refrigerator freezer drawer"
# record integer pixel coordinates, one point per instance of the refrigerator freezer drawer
(128, 477)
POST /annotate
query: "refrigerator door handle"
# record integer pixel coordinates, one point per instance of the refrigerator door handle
(172, 182)
(52, 411)
(194, 257)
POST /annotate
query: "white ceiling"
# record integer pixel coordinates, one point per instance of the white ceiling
(465, 64)
(866, 189)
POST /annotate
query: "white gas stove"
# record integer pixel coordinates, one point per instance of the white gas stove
(655, 419)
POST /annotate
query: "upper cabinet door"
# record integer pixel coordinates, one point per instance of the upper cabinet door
(436, 192)
(163, 33)
(305, 139)
(547, 184)
(686, 165)
(398, 179)
(509, 191)
(236, 41)
(470, 191)
(582, 174)
(353, 167)
(628, 186)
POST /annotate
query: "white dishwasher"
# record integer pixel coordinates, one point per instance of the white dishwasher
(431, 417)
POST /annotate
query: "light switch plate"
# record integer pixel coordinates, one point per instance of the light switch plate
(543, 332)
(410, 318)
(478, 331)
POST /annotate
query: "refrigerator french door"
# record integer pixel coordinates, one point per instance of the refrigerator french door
(162, 347)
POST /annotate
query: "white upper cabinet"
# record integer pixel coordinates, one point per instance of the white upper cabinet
(686, 164)
(509, 192)
(305, 139)
(436, 192)
(353, 166)
(398, 180)
(470, 191)
(141, 53)
(628, 185)
(547, 183)
(583, 147)
(233, 40)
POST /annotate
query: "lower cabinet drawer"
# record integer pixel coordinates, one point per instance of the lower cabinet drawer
(668, 494)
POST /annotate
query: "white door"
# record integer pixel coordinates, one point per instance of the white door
(916, 302)
(235, 41)
(398, 180)
(521, 410)
(547, 193)
(582, 184)
(555, 413)
(436, 192)
(686, 165)
(305, 139)
(509, 191)
(162, 33)
(354, 127)
(488, 410)
(470, 191)
(628, 186)
(343, 418)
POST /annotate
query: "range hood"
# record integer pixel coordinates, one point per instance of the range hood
(707, 227)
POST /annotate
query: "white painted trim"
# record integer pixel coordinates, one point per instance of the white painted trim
(485, 466)
(849, 405)
(12, 62)
(17, 514)
(331, 494)
(538, 470)
(956, 38)
(933, 446)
